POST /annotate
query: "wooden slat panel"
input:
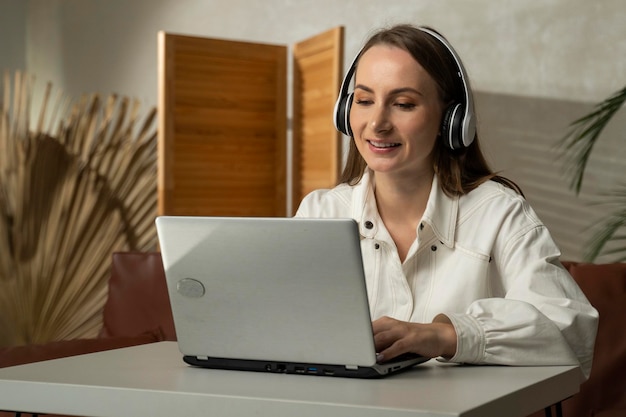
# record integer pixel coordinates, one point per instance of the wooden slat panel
(222, 127)
(316, 143)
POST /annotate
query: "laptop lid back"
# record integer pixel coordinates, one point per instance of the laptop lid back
(272, 289)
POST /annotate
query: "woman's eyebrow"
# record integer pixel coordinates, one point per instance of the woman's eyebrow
(364, 88)
(392, 92)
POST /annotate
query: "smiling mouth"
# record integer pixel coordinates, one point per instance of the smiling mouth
(383, 145)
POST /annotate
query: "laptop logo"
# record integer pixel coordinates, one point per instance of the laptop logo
(189, 287)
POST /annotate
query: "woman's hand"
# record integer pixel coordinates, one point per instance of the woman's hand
(394, 337)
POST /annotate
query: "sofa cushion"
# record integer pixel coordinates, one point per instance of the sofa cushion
(605, 391)
(138, 301)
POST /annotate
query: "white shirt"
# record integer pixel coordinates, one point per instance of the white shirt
(486, 261)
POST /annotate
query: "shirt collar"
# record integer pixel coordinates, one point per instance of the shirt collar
(364, 209)
(440, 214)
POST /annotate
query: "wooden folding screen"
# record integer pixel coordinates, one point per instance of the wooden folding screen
(222, 124)
(222, 127)
(317, 66)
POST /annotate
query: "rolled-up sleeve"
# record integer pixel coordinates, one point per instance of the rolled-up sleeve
(544, 318)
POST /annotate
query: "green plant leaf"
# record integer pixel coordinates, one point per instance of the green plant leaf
(577, 145)
(610, 231)
(583, 134)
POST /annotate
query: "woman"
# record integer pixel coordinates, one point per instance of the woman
(457, 263)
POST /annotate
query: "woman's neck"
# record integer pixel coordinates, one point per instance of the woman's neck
(401, 205)
(402, 199)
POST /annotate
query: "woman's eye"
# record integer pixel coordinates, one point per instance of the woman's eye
(363, 102)
(405, 106)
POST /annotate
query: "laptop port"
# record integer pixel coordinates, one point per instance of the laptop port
(328, 372)
(299, 369)
(281, 367)
(311, 370)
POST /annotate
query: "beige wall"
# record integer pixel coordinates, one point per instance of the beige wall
(536, 65)
(564, 49)
(12, 35)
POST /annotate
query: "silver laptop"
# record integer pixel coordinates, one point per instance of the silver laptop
(281, 295)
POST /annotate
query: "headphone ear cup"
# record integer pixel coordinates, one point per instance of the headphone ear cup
(451, 127)
(342, 114)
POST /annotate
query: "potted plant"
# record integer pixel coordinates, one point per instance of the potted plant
(578, 145)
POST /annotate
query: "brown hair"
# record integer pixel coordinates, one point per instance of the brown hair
(459, 171)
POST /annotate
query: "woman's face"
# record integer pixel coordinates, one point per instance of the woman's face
(396, 112)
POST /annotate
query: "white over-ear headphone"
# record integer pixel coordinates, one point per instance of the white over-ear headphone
(458, 125)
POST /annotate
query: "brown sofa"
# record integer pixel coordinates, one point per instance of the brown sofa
(604, 393)
(137, 311)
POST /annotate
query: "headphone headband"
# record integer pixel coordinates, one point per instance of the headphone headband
(459, 123)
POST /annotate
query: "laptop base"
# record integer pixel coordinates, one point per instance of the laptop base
(376, 371)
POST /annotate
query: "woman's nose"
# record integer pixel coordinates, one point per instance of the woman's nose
(380, 119)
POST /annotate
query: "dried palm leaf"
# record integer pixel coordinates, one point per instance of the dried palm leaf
(71, 194)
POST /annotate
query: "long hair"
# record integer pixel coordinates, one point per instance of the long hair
(459, 171)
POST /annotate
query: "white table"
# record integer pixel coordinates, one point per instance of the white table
(152, 380)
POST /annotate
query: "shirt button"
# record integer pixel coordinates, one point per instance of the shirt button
(376, 246)
(433, 248)
(421, 226)
(369, 225)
